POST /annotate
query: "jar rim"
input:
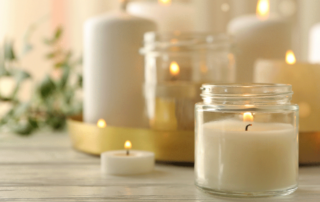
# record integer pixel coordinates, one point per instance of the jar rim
(184, 41)
(246, 90)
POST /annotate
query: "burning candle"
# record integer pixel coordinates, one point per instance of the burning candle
(108, 38)
(304, 78)
(258, 36)
(127, 162)
(246, 156)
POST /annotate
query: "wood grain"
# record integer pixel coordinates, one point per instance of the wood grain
(44, 168)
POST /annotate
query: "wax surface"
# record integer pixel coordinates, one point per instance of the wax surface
(264, 158)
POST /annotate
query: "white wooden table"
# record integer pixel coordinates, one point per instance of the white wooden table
(44, 167)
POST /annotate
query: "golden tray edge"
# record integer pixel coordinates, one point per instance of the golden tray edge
(171, 146)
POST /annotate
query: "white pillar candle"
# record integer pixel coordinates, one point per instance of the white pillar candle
(113, 69)
(170, 16)
(314, 44)
(304, 79)
(127, 162)
(258, 37)
(211, 16)
(264, 158)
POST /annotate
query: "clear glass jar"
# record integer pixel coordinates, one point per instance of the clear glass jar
(176, 64)
(246, 141)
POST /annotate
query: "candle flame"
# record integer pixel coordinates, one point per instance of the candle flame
(263, 9)
(127, 145)
(101, 123)
(174, 69)
(290, 57)
(247, 117)
(164, 2)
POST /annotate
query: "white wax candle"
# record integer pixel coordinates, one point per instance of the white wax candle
(172, 17)
(304, 78)
(113, 69)
(211, 16)
(314, 44)
(257, 37)
(119, 163)
(228, 158)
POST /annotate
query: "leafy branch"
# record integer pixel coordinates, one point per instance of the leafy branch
(54, 98)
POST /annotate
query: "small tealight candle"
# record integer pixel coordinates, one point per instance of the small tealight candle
(127, 162)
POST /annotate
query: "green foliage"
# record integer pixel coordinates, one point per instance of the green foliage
(53, 99)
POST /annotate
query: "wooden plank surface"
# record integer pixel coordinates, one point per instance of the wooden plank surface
(44, 167)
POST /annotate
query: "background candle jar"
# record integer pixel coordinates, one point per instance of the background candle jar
(246, 141)
(176, 64)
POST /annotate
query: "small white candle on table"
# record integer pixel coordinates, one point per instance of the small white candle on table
(258, 36)
(127, 162)
(246, 156)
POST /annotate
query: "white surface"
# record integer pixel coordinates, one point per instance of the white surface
(113, 69)
(264, 158)
(44, 168)
(314, 44)
(174, 17)
(118, 163)
(257, 38)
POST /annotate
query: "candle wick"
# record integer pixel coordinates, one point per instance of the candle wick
(248, 126)
(128, 152)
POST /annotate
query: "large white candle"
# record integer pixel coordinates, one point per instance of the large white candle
(304, 78)
(113, 69)
(260, 36)
(170, 16)
(229, 158)
(211, 16)
(314, 44)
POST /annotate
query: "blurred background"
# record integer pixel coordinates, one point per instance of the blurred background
(31, 22)
(17, 16)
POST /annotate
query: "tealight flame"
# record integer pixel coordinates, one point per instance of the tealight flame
(174, 69)
(127, 145)
(164, 2)
(263, 9)
(290, 58)
(247, 117)
(101, 123)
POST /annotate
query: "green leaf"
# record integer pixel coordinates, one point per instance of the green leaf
(80, 80)
(21, 109)
(58, 33)
(46, 87)
(9, 53)
(56, 122)
(21, 75)
(23, 128)
(65, 77)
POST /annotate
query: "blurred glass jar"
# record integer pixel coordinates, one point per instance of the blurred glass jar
(176, 64)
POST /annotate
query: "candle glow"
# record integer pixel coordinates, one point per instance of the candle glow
(263, 9)
(164, 2)
(290, 57)
(127, 145)
(174, 69)
(247, 117)
(101, 123)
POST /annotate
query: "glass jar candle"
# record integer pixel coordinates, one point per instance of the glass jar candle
(176, 64)
(246, 141)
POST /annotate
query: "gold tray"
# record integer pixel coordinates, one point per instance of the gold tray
(173, 146)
